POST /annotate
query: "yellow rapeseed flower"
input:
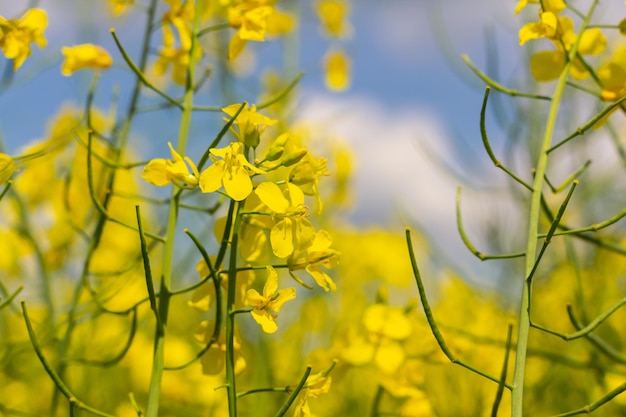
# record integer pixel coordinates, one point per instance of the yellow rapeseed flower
(16, 35)
(547, 65)
(232, 172)
(267, 306)
(318, 254)
(250, 124)
(315, 385)
(292, 231)
(162, 172)
(84, 56)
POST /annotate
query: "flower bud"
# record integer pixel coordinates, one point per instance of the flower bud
(294, 157)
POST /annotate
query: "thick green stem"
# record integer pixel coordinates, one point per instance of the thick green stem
(517, 393)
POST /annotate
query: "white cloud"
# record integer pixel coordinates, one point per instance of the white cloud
(398, 183)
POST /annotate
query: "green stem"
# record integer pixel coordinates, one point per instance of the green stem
(158, 364)
(230, 316)
(517, 393)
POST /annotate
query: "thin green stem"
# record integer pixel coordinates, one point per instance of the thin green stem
(589, 408)
(11, 297)
(285, 407)
(595, 119)
(596, 341)
(505, 367)
(569, 179)
(58, 382)
(499, 87)
(430, 318)
(139, 73)
(487, 145)
(230, 315)
(468, 243)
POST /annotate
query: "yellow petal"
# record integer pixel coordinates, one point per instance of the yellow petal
(253, 298)
(84, 56)
(272, 197)
(321, 278)
(156, 173)
(305, 233)
(211, 178)
(520, 5)
(592, 42)
(281, 237)
(237, 183)
(283, 296)
(236, 46)
(554, 6)
(547, 65)
(271, 284)
(322, 241)
(389, 356)
(535, 30)
(296, 196)
(36, 20)
(265, 319)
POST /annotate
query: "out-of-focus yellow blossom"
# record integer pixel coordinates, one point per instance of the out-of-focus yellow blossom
(547, 65)
(161, 172)
(613, 76)
(267, 306)
(250, 17)
(214, 359)
(16, 35)
(280, 23)
(337, 70)
(549, 24)
(306, 176)
(254, 244)
(386, 328)
(250, 124)
(317, 255)
(84, 56)
(254, 19)
(119, 7)
(232, 171)
(180, 16)
(292, 230)
(13, 248)
(178, 59)
(7, 168)
(315, 385)
(545, 28)
(417, 405)
(203, 297)
(555, 6)
(178, 19)
(333, 16)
